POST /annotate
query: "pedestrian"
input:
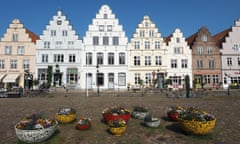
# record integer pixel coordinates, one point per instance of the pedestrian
(66, 90)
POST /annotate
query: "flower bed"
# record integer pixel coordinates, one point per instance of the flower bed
(66, 115)
(35, 128)
(115, 113)
(83, 123)
(173, 112)
(139, 112)
(196, 122)
(117, 127)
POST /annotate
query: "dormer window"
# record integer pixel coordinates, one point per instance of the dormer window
(59, 22)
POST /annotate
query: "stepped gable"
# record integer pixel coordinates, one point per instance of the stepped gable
(220, 37)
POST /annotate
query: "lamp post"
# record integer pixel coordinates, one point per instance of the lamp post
(97, 79)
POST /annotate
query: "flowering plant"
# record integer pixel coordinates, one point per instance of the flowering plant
(84, 121)
(174, 109)
(35, 121)
(116, 111)
(66, 111)
(150, 118)
(193, 114)
(117, 123)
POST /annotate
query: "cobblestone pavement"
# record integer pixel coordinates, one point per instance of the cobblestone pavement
(225, 108)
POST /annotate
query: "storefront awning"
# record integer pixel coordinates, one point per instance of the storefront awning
(1, 76)
(10, 78)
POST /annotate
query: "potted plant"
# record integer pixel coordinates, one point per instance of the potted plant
(195, 121)
(173, 112)
(35, 128)
(115, 113)
(83, 123)
(151, 121)
(117, 127)
(66, 115)
(139, 112)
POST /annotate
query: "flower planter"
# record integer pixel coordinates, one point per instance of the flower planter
(83, 124)
(117, 131)
(152, 122)
(66, 115)
(139, 115)
(173, 115)
(116, 113)
(197, 127)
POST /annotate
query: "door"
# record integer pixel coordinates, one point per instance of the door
(89, 80)
(111, 80)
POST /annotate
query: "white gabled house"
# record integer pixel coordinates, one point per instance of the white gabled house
(179, 60)
(59, 49)
(105, 53)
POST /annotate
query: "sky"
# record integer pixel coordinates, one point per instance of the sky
(188, 15)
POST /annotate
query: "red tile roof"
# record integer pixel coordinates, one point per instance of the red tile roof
(220, 37)
(32, 36)
(167, 39)
(191, 39)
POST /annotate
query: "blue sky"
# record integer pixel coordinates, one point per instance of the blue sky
(188, 15)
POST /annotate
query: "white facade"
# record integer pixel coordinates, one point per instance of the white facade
(179, 60)
(59, 47)
(147, 56)
(105, 46)
(231, 57)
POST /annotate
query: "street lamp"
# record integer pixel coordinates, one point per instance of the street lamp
(97, 79)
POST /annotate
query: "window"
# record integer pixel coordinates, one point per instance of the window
(105, 40)
(101, 28)
(148, 78)
(200, 50)
(45, 58)
(147, 60)
(207, 79)
(100, 79)
(15, 37)
(70, 44)
(215, 79)
(236, 47)
(178, 40)
(105, 16)
(58, 58)
(211, 64)
(184, 63)
(199, 64)
(46, 44)
(121, 58)
(99, 58)
(136, 60)
(89, 58)
(209, 50)
(42, 74)
(8, 50)
(115, 40)
(26, 64)
(151, 33)
(121, 79)
(95, 40)
(238, 61)
(13, 64)
(2, 64)
(229, 61)
(58, 44)
(53, 32)
(147, 44)
(173, 63)
(137, 45)
(65, 33)
(146, 24)
(72, 75)
(137, 78)
(59, 22)
(20, 50)
(72, 58)
(110, 58)
(109, 28)
(177, 50)
(142, 33)
(157, 44)
(158, 60)
(204, 38)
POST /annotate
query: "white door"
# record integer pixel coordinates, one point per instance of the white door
(89, 81)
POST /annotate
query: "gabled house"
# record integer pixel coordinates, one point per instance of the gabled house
(179, 60)
(229, 42)
(206, 60)
(105, 55)
(147, 60)
(58, 54)
(17, 56)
